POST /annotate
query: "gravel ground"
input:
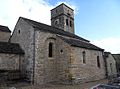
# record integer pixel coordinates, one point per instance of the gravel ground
(80, 86)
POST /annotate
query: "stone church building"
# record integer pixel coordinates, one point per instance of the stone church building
(53, 53)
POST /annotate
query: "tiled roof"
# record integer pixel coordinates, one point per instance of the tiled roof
(12, 48)
(79, 43)
(44, 27)
(4, 29)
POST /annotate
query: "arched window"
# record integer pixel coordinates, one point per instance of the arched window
(50, 54)
(84, 56)
(98, 61)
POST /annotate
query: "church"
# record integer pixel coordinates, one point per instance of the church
(46, 54)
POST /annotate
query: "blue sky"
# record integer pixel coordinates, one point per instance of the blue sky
(95, 20)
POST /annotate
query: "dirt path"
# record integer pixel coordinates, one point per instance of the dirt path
(81, 86)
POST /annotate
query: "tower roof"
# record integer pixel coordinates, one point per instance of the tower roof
(62, 5)
(4, 29)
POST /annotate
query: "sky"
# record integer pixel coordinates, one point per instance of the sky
(95, 20)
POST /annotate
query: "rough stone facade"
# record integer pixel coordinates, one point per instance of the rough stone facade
(9, 61)
(110, 64)
(50, 69)
(23, 34)
(65, 63)
(117, 59)
(88, 70)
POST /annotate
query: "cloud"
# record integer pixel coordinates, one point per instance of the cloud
(110, 44)
(37, 10)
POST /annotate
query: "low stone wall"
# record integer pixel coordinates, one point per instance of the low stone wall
(9, 75)
(9, 61)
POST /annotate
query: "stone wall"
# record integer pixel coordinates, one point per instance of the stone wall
(44, 66)
(50, 69)
(4, 36)
(9, 61)
(88, 71)
(23, 34)
(111, 65)
(63, 55)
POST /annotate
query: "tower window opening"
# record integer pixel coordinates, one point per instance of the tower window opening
(66, 21)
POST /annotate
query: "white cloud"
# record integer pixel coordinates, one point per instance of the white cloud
(37, 10)
(111, 44)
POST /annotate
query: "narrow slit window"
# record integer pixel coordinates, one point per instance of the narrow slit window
(84, 57)
(98, 61)
(50, 50)
(70, 23)
(19, 31)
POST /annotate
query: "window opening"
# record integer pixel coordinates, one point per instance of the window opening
(84, 57)
(98, 61)
(19, 31)
(50, 49)
(66, 21)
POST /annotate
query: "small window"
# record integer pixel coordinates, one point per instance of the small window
(56, 22)
(61, 51)
(70, 23)
(50, 54)
(19, 31)
(98, 61)
(66, 21)
(84, 56)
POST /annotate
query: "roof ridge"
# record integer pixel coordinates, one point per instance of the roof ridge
(56, 30)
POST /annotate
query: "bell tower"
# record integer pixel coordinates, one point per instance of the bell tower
(62, 17)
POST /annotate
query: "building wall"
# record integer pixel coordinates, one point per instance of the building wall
(23, 34)
(50, 69)
(111, 65)
(88, 71)
(9, 61)
(4, 36)
(63, 55)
